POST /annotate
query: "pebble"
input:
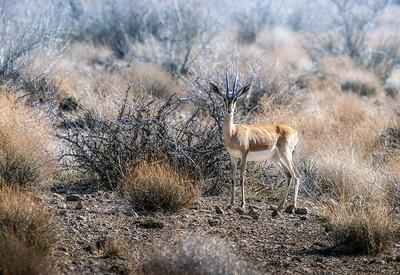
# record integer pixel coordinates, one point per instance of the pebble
(81, 218)
(73, 197)
(301, 211)
(377, 261)
(213, 222)
(151, 224)
(79, 205)
(239, 210)
(254, 213)
(61, 205)
(62, 212)
(303, 218)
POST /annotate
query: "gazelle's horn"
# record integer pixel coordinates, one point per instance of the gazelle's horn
(236, 79)
(227, 81)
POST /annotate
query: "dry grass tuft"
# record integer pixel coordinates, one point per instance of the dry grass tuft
(195, 255)
(360, 82)
(27, 234)
(154, 80)
(26, 156)
(158, 186)
(367, 228)
(115, 247)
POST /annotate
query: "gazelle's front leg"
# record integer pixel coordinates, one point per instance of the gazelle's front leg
(243, 163)
(234, 170)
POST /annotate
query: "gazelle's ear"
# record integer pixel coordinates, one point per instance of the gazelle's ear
(244, 90)
(215, 88)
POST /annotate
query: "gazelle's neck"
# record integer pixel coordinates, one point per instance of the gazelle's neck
(228, 124)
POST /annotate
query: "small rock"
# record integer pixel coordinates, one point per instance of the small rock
(213, 222)
(253, 213)
(297, 259)
(301, 211)
(303, 218)
(88, 248)
(61, 205)
(62, 212)
(239, 210)
(273, 207)
(73, 197)
(219, 210)
(79, 205)
(150, 224)
(81, 218)
(397, 259)
(377, 261)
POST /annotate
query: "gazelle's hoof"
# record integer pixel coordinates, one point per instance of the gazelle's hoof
(290, 209)
(276, 213)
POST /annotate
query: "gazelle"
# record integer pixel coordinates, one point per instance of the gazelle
(274, 142)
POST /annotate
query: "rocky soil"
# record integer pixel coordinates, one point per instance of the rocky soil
(289, 244)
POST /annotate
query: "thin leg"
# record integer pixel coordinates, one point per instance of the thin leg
(234, 169)
(243, 164)
(286, 158)
(285, 192)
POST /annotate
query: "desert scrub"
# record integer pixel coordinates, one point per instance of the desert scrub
(367, 229)
(193, 254)
(158, 186)
(27, 234)
(26, 153)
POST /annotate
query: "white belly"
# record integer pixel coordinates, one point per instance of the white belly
(254, 156)
(260, 155)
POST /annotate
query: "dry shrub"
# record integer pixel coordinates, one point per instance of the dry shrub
(26, 156)
(392, 85)
(367, 228)
(154, 80)
(193, 255)
(115, 247)
(360, 82)
(356, 210)
(27, 234)
(158, 186)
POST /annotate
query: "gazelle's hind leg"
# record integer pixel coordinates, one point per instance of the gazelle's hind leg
(282, 167)
(285, 156)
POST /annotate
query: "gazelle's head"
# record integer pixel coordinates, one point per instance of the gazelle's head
(230, 96)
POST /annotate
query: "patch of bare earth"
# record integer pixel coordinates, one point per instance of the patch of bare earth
(290, 244)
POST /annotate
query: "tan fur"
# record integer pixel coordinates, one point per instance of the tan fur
(252, 138)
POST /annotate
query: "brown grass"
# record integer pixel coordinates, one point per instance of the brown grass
(154, 80)
(26, 146)
(193, 255)
(27, 234)
(367, 228)
(115, 247)
(158, 186)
